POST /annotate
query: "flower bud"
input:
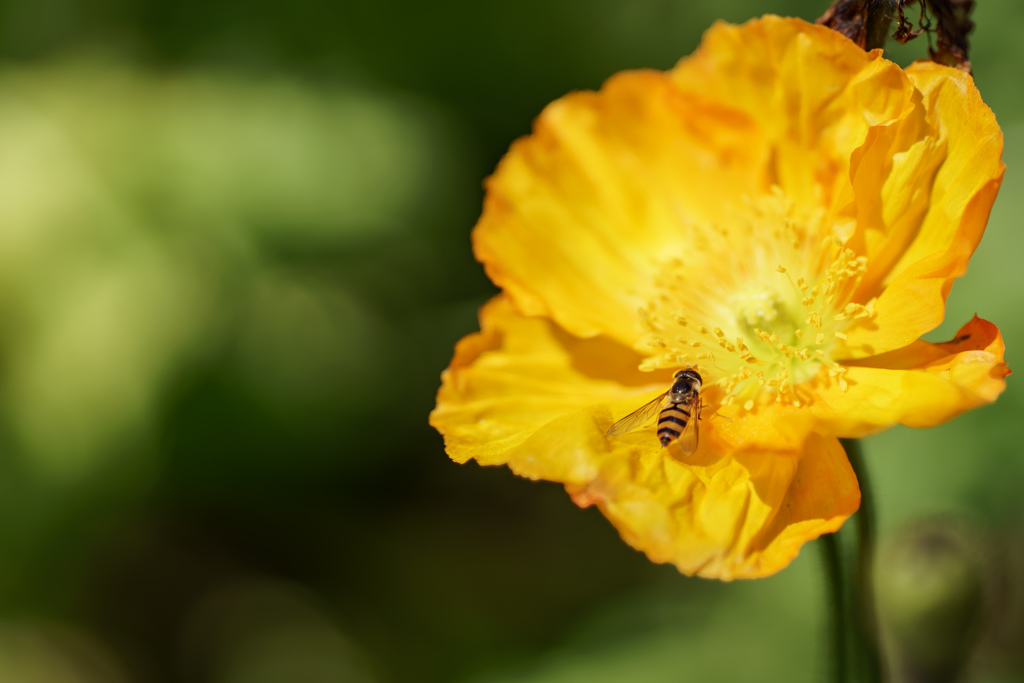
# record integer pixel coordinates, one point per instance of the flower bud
(930, 600)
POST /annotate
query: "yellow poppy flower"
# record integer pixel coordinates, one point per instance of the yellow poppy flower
(782, 210)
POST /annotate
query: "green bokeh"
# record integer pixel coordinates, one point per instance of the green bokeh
(234, 258)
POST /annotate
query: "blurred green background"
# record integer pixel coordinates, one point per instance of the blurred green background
(234, 258)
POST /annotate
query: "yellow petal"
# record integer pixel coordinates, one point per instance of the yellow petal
(524, 393)
(519, 374)
(578, 213)
(812, 93)
(925, 187)
(821, 496)
(921, 385)
(726, 515)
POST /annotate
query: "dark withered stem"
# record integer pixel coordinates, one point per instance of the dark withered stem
(865, 22)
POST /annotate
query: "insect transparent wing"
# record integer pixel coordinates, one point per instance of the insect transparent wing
(688, 439)
(637, 418)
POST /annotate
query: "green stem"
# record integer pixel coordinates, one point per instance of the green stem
(864, 590)
(837, 606)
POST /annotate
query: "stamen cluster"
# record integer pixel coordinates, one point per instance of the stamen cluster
(763, 325)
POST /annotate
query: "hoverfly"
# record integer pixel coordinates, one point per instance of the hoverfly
(676, 406)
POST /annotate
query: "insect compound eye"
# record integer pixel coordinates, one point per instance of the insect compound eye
(691, 375)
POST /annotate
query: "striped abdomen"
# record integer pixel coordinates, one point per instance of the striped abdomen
(672, 421)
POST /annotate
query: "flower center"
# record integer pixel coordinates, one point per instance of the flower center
(760, 308)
